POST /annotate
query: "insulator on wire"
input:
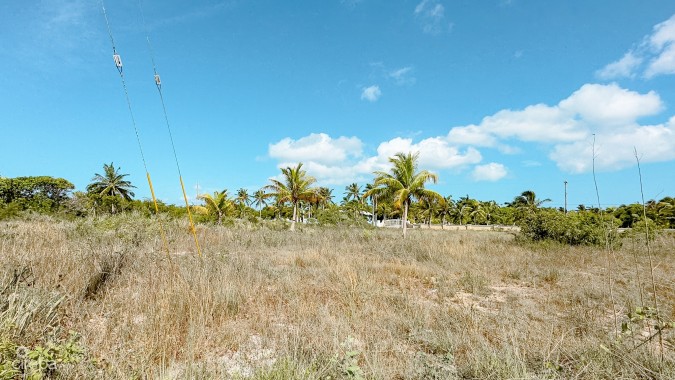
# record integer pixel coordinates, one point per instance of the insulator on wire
(158, 81)
(118, 60)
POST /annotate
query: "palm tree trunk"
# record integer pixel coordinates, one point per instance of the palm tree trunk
(373, 216)
(295, 216)
(405, 219)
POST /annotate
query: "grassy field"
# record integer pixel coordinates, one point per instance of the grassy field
(330, 303)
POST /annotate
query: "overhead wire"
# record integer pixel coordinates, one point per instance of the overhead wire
(118, 64)
(158, 83)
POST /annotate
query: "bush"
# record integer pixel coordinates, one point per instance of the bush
(574, 228)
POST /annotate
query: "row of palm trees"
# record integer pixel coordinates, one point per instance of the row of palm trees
(398, 192)
(401, 185)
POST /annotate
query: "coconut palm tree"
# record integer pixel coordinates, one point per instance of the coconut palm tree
(491, 208)
(325, 197)
(260, 200)
(111, 183)
(404, 183)
(373, 201)
(242, 200)
(218, 204)
(446, 208)
(296, 187)
(353, 192)
(528, 199)
(428, 207)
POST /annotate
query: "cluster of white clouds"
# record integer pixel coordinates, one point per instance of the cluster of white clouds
(598, 124)
(654, 55)
(431, 15)
(605, 113)
(400, 77)
(371, 93)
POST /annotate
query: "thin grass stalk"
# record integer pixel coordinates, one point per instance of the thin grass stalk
(608, 249)
(649, 254)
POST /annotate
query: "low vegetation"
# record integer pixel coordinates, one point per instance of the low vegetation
(97, 297)
(97, 284)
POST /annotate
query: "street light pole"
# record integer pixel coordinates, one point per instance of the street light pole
(565, 197)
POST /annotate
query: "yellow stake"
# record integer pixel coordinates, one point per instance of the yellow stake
(161, 227)
(192, 225)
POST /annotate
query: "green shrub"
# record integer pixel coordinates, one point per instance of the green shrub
(574, 228)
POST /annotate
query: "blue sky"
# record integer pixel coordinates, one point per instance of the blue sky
(497, 96)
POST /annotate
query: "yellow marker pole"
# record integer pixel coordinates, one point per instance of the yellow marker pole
(192, 225)
(161, 227)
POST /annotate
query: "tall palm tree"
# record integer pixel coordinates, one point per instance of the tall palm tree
(353, 192)
(429, 207)
(260, 200)
(218, 204)
(325, 197)
(446, 208)
(112, 183)
(296, 187)
(242, 200)
(528, 199)
(243, 197)
(404, 183)
(373, 201)
(491, 208)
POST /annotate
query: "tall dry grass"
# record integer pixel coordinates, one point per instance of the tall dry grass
(323, 303)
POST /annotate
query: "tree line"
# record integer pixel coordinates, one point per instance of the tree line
(399, 193)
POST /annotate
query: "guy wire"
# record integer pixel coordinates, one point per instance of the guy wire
(118, 64)
(168, 126)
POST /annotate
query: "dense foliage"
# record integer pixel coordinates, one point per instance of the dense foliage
(574, 228)
(41, 194)
(398, 194)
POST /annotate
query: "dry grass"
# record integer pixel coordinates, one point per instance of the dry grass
(271, 304)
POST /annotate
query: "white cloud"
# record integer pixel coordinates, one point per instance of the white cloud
(371, 93)
(663, 64)
(592, 107)
(489, 172)
(317, 147)
(625, 67)
(435, 152)
(608, 111)
(339, 161)
(431, 15)
(610, 105)
(402, 76)
(565, 130)
(614, 151)
(656, 52)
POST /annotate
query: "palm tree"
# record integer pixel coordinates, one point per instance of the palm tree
(296, 187)
(325, 196)
(491, 208)
(373, 201)
(353, 192)
(404, 183)
(528, 199)
(260, 200)
(218, 204)
(242, 200)
(446, 208)
(428, 207)
(111, 183)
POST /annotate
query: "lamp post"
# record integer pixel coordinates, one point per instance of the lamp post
(566, 197)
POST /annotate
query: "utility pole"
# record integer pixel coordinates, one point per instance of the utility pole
(565, 197)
